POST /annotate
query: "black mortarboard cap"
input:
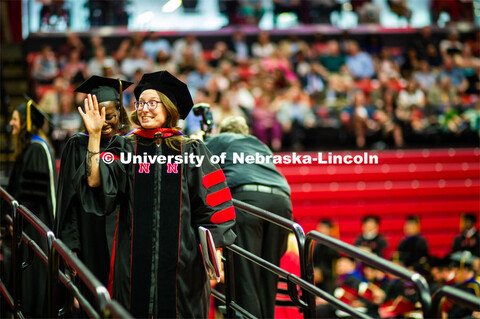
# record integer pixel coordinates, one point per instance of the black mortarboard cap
(463, 259)
(105, 89)
(173, 88)
(31, 114)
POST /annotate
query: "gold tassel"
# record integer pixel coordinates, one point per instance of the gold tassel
(121, 92)
(29, 115)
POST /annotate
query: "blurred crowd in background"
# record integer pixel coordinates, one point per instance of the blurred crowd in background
(368, 94)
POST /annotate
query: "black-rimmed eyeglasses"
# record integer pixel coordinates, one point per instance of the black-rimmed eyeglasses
(151, 105)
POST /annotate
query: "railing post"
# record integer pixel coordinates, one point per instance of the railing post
(308, 255)
(52, 284)
(17, 258)
(423, 291)
(308, 298)
(229, 283)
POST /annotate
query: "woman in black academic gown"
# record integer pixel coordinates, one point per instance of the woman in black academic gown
(32, 183)
(158, 268)
(90, 236)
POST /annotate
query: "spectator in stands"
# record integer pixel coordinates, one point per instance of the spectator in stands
(153, 44)
(411, 104)
(386, 68)
(295, 115)
(422, 40)
(324, 259)
(263, 186)
(222, 77)
(451, 45)
(359, 119)
(455, 74)
(263, 47)
(370, 239)
(220, 53)
(50, 102)
(372, 45)
(73, 43)
(413, 249)
(265, 123)
(279, 63)
(469, 238)
(359, 63)
(470, 65)
(424, 76)
(225, 108)
(45, 66)
(385, 115)
(472, 117)
(95, 42)
(319, 46)
(292, 45)
(66, 123)
(241, 95)
(32, 184)
(75, 69)
(433, 57)
(136, 60)
(164, 62)
(442, 96)
(338, 87)
(333, 60)
(410, 63)
(96, 65)
(188, 44)
(200, 77)
(239, 45)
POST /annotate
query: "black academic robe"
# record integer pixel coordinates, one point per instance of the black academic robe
(158, 267)
(86, 234)
(411, 249)
(32, 184)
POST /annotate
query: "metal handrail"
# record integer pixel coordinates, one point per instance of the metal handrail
(233, 304)
(297, 230)
(88, 308)
(375, 261)
(303, 284)
(458, 296)
(56, 249)
(33, 220)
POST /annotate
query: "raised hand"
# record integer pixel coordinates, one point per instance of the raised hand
(92, 117)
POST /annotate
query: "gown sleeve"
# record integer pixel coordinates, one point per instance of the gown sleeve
(211, 200)
(66, 219)
(104, 200)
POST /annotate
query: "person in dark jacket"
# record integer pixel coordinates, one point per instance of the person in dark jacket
(261, 185)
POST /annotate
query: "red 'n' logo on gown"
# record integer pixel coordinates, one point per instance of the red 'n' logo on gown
(144, 168)
(172, 168)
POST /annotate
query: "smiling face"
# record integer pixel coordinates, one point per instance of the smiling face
(15, 123)
(150, 119)
(110, 127)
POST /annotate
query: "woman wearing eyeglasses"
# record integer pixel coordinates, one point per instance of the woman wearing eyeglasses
(89, 236)
(158, 269)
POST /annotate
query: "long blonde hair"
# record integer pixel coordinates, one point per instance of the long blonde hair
(173, 116)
